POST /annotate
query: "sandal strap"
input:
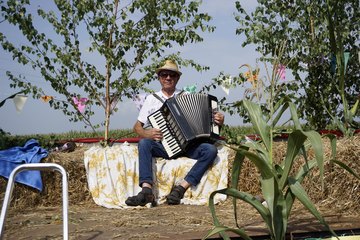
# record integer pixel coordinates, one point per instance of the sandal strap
(141, 199)
(175, 196)
(179, 191)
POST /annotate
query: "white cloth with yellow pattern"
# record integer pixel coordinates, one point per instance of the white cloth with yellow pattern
(112, 175)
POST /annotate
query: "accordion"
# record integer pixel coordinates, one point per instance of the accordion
(184, 120)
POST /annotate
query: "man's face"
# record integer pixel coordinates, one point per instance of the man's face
(168, 79)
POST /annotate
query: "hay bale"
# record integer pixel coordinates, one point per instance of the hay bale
(24, 197)
(341, 190)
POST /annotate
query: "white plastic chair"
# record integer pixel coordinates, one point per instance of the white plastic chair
(41, 167)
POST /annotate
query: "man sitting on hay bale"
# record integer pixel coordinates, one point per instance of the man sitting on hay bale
(150, 145)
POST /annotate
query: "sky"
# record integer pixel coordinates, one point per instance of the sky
(220, 50)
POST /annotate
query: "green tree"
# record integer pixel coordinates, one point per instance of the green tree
(310, 29)
(130, 37)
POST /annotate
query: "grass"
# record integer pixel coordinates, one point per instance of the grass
(50, 140)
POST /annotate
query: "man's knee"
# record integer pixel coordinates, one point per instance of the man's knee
(211, 149)
(144, 143)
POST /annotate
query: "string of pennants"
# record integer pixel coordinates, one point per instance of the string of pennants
(81, 102)
(20, 99)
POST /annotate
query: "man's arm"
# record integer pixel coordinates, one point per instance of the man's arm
(151, 133)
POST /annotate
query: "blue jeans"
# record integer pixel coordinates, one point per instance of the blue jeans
(204, 153)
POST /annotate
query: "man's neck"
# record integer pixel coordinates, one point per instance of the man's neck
(167, 92)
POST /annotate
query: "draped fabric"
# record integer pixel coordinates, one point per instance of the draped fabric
(112, 175)
(13, 157)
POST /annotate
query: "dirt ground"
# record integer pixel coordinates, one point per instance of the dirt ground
(90, 221)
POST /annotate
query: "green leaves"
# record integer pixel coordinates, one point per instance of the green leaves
(261, 163)
(277, 206)
(99, 47)
(302, 196)
(313, 33)
(220, 229)
(279, 184)
(295, 142)
(236, 194)
(258, 122)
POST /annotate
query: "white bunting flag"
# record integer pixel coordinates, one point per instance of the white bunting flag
(226, 84)
(19, 101)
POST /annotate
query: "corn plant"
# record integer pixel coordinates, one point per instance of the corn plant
(280, 186)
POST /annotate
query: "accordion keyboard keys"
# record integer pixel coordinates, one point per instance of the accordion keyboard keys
(170, 144)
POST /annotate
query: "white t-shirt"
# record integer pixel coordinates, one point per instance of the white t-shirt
(152, 104)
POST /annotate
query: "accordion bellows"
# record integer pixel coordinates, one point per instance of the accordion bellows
(184, 120)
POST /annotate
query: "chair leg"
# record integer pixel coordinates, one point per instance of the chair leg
(41, 167)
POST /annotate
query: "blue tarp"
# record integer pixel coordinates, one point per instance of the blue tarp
(31, 152)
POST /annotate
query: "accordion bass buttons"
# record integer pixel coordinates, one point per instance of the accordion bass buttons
(215, 128)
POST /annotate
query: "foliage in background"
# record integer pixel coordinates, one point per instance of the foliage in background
(48, 141)
(280, 182)
(347, 124)
(258, 87)
(128, 38)
(310, 28)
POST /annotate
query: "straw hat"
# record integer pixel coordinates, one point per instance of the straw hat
(169, 65)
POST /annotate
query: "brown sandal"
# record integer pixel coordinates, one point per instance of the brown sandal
(144, 197)
(175, 196)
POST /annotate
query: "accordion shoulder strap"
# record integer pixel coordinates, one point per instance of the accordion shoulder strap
(181, 92)
(161, 100)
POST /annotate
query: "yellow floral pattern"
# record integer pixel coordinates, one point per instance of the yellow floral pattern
(112, 175)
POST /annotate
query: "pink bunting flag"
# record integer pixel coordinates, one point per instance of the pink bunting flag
(281, 71)
(80, 103)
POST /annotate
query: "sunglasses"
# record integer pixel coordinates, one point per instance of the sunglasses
(166, 74)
